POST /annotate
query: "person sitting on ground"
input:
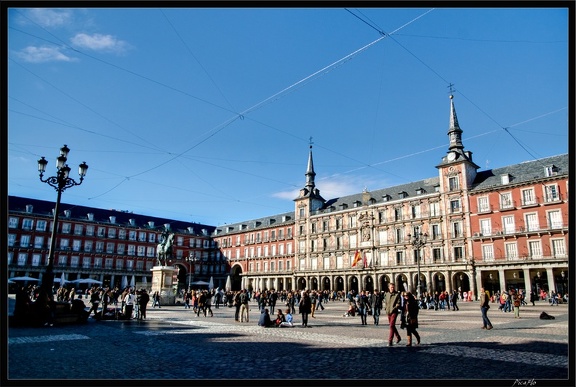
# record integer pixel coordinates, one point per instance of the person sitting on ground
(280, 318)
(289, 320)
(265, 320)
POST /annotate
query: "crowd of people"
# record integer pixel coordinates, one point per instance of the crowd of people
(131, 303)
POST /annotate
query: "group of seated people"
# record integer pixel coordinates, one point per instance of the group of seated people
(283, 319)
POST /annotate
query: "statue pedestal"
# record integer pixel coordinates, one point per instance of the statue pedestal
(163, 280)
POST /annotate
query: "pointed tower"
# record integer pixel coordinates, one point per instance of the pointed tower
(309, 198)
(457, 164)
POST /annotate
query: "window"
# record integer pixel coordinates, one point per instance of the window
(352, 221)
(535, 249)
(129, 264)
(352, 241)
(142, 236)
(383, 237)
(13, 222)
(24, 240)
(40, 225)
(281, 249)
(458, 254)
(558, 247)
(506, 200)
(435, 209)
(302, 264)
(38, 242)
(99, 247)
(62, 260)
(486, 227)
(551, 193)
(111, 232)
(456, 230)
(508, 223)
(326, 263)
(110, 248)
(302, 212)
(398, 213)
(64, 244)
(511, 250)
(122, 234)
(88, 246)
(150, 251)
(532, 222)
(86, 262)
(528, 197)
(76, 245)
(554, 219)
(415, 211)
(314, 263)
(399, 258)
(78, 229)
(131, 249)
(436, 234)
(121, 248)
(488, 252)
(74, 260)
(325, 225)
(109, 263)
(89, 230)
(453, 183)
(27, 224)
(132, 235)
(339, 224)
(483, 204)
(66, 227)
(22, 259)
(98, 263)
(399, 235)
(119, 264)
(101, 232)
(455, 205)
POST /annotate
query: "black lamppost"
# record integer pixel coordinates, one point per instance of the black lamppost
(60, 182)
(418, 241)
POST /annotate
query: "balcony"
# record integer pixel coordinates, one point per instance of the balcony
(485, 209)
(507, 205)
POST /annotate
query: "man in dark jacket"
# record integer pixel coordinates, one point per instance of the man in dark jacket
(376, 305)
(392, 299)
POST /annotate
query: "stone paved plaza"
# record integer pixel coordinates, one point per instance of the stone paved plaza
(173, 345)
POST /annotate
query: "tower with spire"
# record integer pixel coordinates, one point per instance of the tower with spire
(457, 162)
(309, 198)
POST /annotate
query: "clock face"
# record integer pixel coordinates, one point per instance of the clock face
(451, 156)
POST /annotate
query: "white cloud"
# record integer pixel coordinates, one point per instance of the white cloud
(335, 187)
(43, 54)
(50, 17)
(99, 42)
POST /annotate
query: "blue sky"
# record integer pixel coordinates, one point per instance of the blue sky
(205, 115)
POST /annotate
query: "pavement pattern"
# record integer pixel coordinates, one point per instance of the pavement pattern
(173, 346)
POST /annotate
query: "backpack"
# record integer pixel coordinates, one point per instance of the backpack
(546, 316)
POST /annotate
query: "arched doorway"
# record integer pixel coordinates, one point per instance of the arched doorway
(439, 282)
(301, 283)
(326, 283)
(384, 281)
(401, 283)
(354, 284)
(236, 278)
(461, 282)
(368, 283)
(339, 284)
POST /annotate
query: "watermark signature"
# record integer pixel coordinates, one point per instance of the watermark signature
(524, 382)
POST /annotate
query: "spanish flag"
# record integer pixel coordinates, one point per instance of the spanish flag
(357, 258)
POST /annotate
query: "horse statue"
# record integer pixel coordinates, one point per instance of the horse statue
(164, 249)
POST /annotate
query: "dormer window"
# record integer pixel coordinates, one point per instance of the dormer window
(505, 178)
(551, 170)
(386, 198)
(403, 194)
(420, 191)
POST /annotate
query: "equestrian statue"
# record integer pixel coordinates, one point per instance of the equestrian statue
(164, 249)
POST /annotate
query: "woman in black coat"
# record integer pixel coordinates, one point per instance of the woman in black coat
(411, 310)
(305, 308)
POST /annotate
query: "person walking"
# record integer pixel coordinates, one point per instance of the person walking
(455, 300)
(362, 305)
(376, 305)
(392, 299)
(305, 307)
(95, 301)
(156, 299)
(533, 297)
(484, 306)
(129, 300)
(244, 307)
(411, 310)
(144, 300)
(313, 299)
(517, 299)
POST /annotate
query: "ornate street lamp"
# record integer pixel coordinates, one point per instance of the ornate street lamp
(418, 241)
(60, 182)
